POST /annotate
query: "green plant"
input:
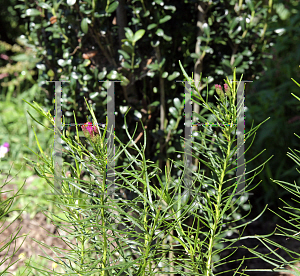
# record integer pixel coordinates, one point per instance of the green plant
(5, 208)
(17, 82)
(139, 43)
(117, 235)
(277, 261)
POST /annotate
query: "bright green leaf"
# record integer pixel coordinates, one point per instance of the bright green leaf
(238, 60)
(137, 114)
(194, 55)
(174, 112)
(282, 11)
(155, 104)
(233, 23)
(167, 38)
(112, 7)
(125, 81)
(173, 76)
(160, 32)
(124, 54)
(74, 76)
(61, 62)
(164, 74)
(20, 57)
(153, 66)
(147, 13)
(165, 19)
(247, 52)
(129, 33)
(250, 5)
(126, 65)
(86, 63)
(50, 73)
(184, 72)
(127, 47)
(94, 95)
(172, 124)
(41, 67)
(102, 75)
(226, 62)
(151, 26)
(206, 29)
(172, 8)
(177, 103)
(161, 64)
(113, 75)
(32, 12)
(170, 150)
(219, 40)
(44, 6)
(138, 35)
(87, 77)
(84, 25)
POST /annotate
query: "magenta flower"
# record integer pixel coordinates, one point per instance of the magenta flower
(90, 131)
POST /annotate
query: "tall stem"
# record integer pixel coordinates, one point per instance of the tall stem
(217, 212)
(103, 273)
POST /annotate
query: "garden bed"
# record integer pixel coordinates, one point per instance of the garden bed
(39, 228)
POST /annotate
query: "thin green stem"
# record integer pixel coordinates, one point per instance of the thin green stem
(103, 273)
(217, 213)
(143, 4)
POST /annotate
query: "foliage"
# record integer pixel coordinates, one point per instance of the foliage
(293, 190)
(66, 43)
(139, 43)
(5, 208)
(268, 97)
(17, 81)
(117, 235)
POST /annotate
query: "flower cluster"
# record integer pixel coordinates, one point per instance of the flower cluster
(4, 149)
(90, 131)
(220, 92)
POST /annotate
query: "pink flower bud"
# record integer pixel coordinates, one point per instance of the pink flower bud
(219, 90)
(227, 90)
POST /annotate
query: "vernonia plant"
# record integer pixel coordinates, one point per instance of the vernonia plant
(116, 235)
